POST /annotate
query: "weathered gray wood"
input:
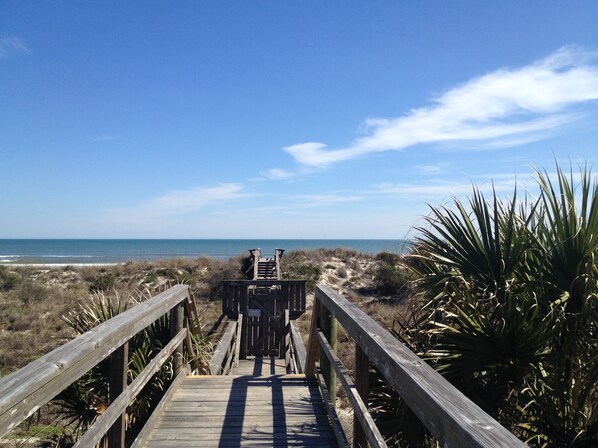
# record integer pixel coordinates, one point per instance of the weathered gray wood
(328, 327)
(313, 348)
(235, 293)
(448, 414)
(284, 410)
(24, 391)
(339, 432)
(286, 338)
(238, 338)
(157, 413)
(177, 317)
(223, 348)
(119, 367)
(116, 408)
(260, 366)
(362, 372)
(359, 407)
(299, 347)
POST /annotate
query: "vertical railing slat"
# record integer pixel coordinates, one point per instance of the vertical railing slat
(328, 326)
(362, 370)
(119, 366)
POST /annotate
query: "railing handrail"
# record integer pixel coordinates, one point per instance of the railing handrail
(23, 392)
(263, 282)
(449, 415)
(226, 354)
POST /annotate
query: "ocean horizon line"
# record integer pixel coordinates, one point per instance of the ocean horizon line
(90, 251)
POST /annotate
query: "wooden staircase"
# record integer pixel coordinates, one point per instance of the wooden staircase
(266, 268)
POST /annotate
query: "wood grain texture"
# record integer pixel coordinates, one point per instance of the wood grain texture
(448, 414)
(119, 368)
(147, 428)
(27, 389)
(223, 348)
(362, 372)
(313, 348)
(298, 347)
(337, 427)
(243, 410)
(360, 409)
(119, 406)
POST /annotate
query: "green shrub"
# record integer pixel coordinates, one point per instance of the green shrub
(304, 271)
(29, 292)
(388, 258)
(8, 280)
(389, 280)
(103, 282)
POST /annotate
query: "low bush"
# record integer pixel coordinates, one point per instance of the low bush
(8, 280)
(389, 280)
(103, 282)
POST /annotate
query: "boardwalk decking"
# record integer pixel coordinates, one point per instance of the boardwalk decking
(262, 406)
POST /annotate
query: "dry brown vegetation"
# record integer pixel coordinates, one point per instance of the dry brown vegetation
(33, 300)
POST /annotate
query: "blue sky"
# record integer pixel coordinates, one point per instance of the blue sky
(276, 119)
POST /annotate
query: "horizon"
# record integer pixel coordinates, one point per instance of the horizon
(270, 120)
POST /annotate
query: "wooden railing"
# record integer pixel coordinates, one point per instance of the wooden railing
(453, 419)
(23, 392)
(226, 354)
(235, 292)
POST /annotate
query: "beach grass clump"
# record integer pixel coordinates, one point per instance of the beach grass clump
(8, 279)
(300, 265)
(390, 278)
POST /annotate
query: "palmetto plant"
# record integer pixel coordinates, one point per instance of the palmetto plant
(509, 288)
(85, 400)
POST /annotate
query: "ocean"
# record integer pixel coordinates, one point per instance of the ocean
(104, 251)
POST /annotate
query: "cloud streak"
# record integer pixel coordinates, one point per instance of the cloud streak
(502, 108)
(11, 46)
(181, 202)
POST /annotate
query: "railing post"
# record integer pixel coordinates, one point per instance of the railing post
(176, 325)
(362, 370)
(313, 347)
(119, 366)
(328, 326)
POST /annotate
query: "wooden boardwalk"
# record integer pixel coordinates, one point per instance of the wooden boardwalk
(258, 405)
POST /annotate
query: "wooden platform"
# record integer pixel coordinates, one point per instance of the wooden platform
(260, 366)
(244, 411)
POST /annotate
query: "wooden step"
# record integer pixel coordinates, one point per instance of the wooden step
(244, 410)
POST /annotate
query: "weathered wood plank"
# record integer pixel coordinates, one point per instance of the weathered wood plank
(157, 413)
(362, 371)
(177, 317)
(119, 368)
(359, 407)
(284, 410)
(222, 348)
(96, 431)
(339, 432)
(313, 348)
(24, 391)
(328, 328)
(450, 416)
(238, 338)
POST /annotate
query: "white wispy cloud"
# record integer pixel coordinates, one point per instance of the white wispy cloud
(501, 183)
(278, 174)
(11, 46)
(430, 169)
(325, 199)
(181, 202)
(502, 108)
